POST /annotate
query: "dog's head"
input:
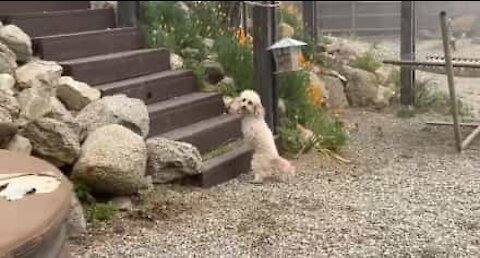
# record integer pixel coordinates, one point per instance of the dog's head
(251, 104)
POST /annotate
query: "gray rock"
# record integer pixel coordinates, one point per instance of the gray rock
(76, 223)
(38, 73)
(208, 43)
(19, 144)
(336, 93)
(169, 160)
(214, 71)
(18, 41)
(119, 109)
(35, 103)
(7, 83)
(384, 96)
(74, 94)
(361, 88)
(7, 60)
(59, 111)
(113, 161)
(7, 132)
(53, 140)
(9, 104)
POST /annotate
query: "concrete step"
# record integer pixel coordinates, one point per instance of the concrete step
(40, 24)
(153, 87)
(119, 66)
(183, 111)
(90, 43)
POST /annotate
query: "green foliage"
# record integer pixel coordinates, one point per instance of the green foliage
(367, 62)
(101, 212)
(83, 192)
(237, 60)
(328, 131)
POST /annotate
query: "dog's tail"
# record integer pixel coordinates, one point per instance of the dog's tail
(284, 165)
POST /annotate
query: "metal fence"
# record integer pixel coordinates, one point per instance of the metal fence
(365, 18)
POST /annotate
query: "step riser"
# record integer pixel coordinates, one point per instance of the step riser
(86, 45)
(167, 120)
(10, 7)
(209, 140)
(156, 90)
(37, 25)
(225, 170)
(105, 71)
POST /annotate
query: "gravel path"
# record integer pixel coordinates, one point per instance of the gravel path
(407, 194)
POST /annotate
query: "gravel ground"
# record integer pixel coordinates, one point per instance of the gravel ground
(407, 194)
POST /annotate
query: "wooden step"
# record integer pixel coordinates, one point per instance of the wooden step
(223, 168)
(61, 22)
(184, 110)
(117, 66)
(11, 7)
(83, 44)
(208, 134)
(153, 87)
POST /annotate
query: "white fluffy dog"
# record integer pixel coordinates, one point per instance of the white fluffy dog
(265, 161)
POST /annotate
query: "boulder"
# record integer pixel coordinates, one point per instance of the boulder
(7, 83)
(53, 140)
(286, 31)
(34, 103)
(176, 61)
(384, 73)
(7, 131)
(18, 41)
(122, 203)
(38, 73)
(9, 104)
(214, 71)
(208, 43)
(170, 160)
(118, 109)
(59, 111)
(19, 144)
(74, 94)
(76, 223)
(7, 59)
(336, 93)
(317, 90)
(113, 161)
(361, 88)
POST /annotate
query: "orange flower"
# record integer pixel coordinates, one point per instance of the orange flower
(316, 95)
(304, 63)
(243, 37)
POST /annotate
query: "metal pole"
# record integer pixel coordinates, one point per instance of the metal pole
(449, 71)
(407, 52)
(309, 13)
(128, 13)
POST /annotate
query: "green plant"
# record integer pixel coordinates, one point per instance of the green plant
(237, 60)
(329, 132)
(83, 192)
(101, 212)
(367, 62)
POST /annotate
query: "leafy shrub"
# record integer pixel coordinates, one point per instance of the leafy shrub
(367, 62)
(100, 212)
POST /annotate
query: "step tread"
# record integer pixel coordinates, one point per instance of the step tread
(199, 126)
(181, 100)
(40, 6)
(219, 160)
(86, 33)
(53, 13)
(139, 79)
(106, 57)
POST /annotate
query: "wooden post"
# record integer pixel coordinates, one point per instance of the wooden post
(309, 13)
(128, 13)
(263, 37)
(407, 52)
(451, 85)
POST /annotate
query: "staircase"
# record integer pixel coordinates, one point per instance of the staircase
(92, 49)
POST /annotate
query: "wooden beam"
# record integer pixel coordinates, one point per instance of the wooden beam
(309, 13)
(407, 52)
(128, 13)
(264, 33)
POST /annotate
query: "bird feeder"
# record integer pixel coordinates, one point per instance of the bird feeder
(286, 53)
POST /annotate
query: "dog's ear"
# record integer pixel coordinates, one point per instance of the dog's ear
(258, 110)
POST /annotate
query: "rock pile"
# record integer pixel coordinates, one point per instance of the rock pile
(69, 124)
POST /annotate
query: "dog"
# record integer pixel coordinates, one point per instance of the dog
(266, 161)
